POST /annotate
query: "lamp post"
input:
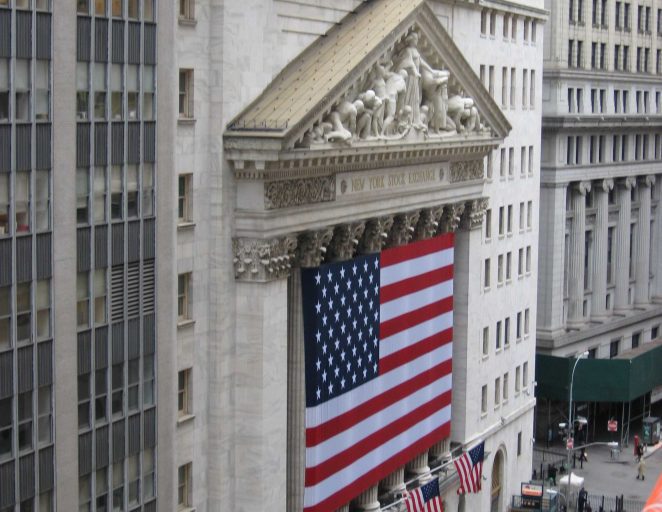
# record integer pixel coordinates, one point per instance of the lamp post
(571, 424)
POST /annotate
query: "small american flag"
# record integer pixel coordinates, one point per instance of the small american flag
(470, 468)
(378, 335)
(425, 498)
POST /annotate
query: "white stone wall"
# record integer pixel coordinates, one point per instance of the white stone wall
(500, 424)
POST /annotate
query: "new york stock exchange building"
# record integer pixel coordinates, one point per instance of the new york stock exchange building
(380, 182)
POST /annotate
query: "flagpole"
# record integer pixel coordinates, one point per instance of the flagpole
(436, 469)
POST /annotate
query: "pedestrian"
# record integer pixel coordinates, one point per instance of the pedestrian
(641, 468)
(581, 499)
(640, 452)
(636, 446)
(588, 508)
(552, 474)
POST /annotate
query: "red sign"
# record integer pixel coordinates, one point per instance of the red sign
(570, 443)
(612, 426)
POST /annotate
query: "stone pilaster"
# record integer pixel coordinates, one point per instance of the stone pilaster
(576, 259)
(599, 301)
(656, 261)
(263, 260)
(622, 244)
(368, 500)
(296, 396)
(642, 268)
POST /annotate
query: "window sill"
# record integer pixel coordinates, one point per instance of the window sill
(186, 509)
(485, 357)
(187, 22)
(185, 419)
(185, 323)
(483, 415)
(185, 225)
(186, 121)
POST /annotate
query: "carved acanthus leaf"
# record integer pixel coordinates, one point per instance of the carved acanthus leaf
(312, 247)
(403, 228)
(466, 170)
(450, 220)
(345, 241)
(474, 213)
(375, 234)
(263, 260)
(285, 193)
(428, 222)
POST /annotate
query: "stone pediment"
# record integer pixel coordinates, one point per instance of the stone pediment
(389, 74)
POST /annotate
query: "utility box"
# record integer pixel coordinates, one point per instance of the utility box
(650, 430)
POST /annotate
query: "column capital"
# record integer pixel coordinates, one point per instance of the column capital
(345, 241)
(262, 260)
(375, 234)
(583, 187)
(605, 185)
(451, 217)
(474, 212)
(312, 247)
(404, 226)
(428, 222)
(627, 183)
(647, 181)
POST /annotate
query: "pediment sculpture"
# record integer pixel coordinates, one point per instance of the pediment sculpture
(401, 97)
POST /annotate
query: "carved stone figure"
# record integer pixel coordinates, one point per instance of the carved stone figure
(396, 85)
(435, 97)
(463, 113)
(368, 123)
(343, 121)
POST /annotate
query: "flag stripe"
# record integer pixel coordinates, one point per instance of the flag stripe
(340, 405)
(412, 252)
(415, 283)
(414, 316)
(412, 268)
(355, 478)
(341, 459)
(319, 434)
(416, 300)
(405, 339)
(392, 361)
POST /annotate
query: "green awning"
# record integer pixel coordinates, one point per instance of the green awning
(621, 379)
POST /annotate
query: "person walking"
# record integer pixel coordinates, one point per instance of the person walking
(636, 446)
(641, 468)
(581, 500)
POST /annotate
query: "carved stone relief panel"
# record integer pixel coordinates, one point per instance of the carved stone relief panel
(285, 193)
(466, 170)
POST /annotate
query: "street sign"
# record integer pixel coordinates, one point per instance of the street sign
(569, 444)
(612, 426)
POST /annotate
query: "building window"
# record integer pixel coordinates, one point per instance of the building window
(521, 216)
(82, 195)
(186, 93)
(500, 269)
(511, 162)
(502, 169)
(100, 293)
(509, 264)
(148, 92)
(517, 379)
(132, 191)
(5, 318)
(184, 199)
(83, 299)
(636, 337)
(486, 274)
(483, 19)
(502, 220)
(488, 224)
(520, 263)
(25, 416)
(100, 192)
(184, 297)
(6, 430)
(613, 348)
(42, 201)
(654, 332)
(518, 327)
(148, 380)
(504, 87)
(184, 393)
(116, 194)
(525, 86)
(498, 335)
(525, 375)
(22, 202)
(513, 87)
(506, 332)
(497, 392)
(492, 23)
(4, 204)
(483, 402)
(505, 387)
(148, 190)
(186, 9)
(510, 219)
(526, 321)
(519, 444)
(485, 342)
(184, 486)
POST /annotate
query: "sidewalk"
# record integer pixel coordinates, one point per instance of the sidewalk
(608, 474)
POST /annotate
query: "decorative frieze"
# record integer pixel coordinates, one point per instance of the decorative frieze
(263, 260)
(286, 193)
(345, 241)
(466, 170)
(312, 247)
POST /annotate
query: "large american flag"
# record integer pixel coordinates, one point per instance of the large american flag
(470, 468)
(378, 346)
(425, 498)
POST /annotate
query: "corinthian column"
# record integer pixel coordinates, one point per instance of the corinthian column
(642, 269)
(598, 304)
(577, 249)
(368, 500)
(657, 255)
(622, 274)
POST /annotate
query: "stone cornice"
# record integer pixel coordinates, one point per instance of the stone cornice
(646, 122)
